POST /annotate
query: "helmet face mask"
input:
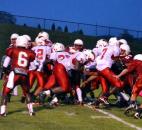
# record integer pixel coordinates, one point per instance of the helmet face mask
(78, 44)
(78, 47)
(13, 38)
(40, 41)
(72, 50)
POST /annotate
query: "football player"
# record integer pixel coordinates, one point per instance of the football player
(20, 58)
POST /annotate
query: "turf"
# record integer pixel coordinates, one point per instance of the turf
(63, 117)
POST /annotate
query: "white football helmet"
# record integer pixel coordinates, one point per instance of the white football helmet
(123, 41)
(89, 54)
(14, 36)
(58, 47)
(101, 43)
(22, 42)
(40, 41)
(43, 34)
(78, 42)
(29, 40)
(113, 41)
(28, 37)
(125, 47)
(138, 57)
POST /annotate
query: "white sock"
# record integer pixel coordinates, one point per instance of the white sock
(79, 94)
(47, 92)
(15, 91)
(125, 96)
(54, 100)
(3, 109)
(30, 107)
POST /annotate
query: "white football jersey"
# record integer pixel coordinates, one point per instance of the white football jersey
(97, 51)
(42, 52)
(62, 58)
(79, 56)
(104, 60)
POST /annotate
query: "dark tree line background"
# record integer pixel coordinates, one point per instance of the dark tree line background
(8, 18)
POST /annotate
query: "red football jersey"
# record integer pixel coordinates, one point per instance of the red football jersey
(20, 57)
(127, 59)
(135, 65)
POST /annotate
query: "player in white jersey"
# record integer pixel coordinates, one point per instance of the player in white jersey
(60, 76)
(78, 45)
(105, 61)
(44, 34)
(36, 69)
(69, 62)
(77, 61)
(106, 58)
(61, 57)
(93, 79)
(99, 46)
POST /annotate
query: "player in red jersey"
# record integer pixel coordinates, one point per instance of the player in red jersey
(13, 38)
(134, 66)
(20, 58)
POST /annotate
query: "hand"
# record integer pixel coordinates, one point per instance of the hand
(116, 76)
(83, 84)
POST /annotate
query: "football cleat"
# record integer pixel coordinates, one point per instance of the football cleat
(81, 103)
(54, 101)
(96, 103)
(132, 106)
(32, 113)
(130, 110)
(42, 98)
(137, 115)
(104, 100)
(3, 115)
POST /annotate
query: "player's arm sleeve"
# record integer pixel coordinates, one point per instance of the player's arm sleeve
(131, 66)
(6, 62)
(8, 57)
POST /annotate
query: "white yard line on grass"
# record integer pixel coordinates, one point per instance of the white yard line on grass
(115, 118)
(99, 117)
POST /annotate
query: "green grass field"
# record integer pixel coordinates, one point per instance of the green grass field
(63, 117)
